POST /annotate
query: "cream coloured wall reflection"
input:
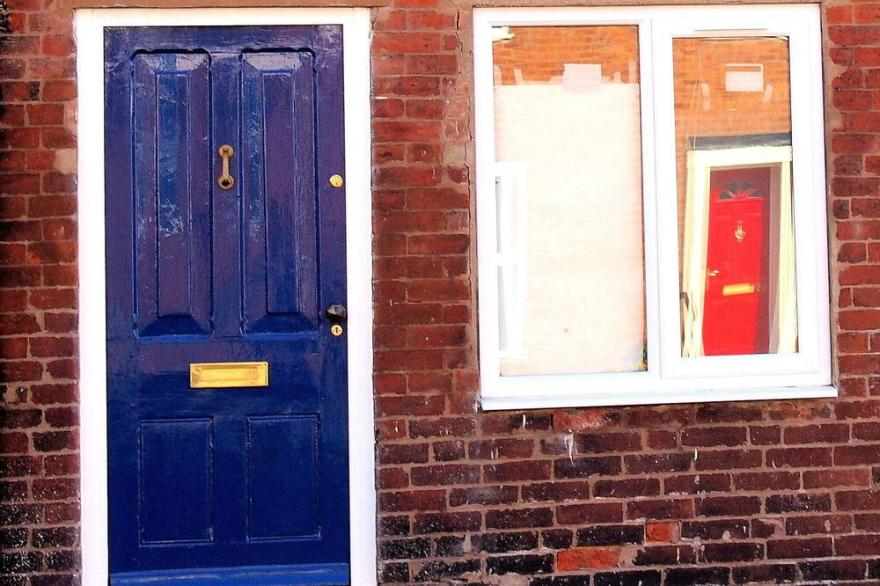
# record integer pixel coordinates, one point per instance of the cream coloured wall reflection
(574, 146)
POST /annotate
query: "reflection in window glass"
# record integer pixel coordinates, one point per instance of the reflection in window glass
(569, 200)
(733, 148)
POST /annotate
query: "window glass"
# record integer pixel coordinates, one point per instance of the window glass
(736, 233)
(568, 195)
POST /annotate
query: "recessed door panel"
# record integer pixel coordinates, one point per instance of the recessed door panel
(279, 209)
(281, 504)
(170, 111)
(176, 474)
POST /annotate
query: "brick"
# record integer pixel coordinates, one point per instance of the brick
(825, 433)
(422, 500)
(798, 457)
(20, 418)
(404, 549)
(504, 423)
(727, 459)
(618, 578)
(652, 463)
(833, 570)
(394, 526)
(446, 522)
(611, 535)
(767, 481)
(505, 542)
(630, 487)
(818, 524)
(714, 436)
(733, 552)
(697, 483)
(800, 502)
(855, 455)
(483, 495)
(518, 518)
(857, 500)
(688, 576)
(660, 509)
(520, 564)
(54, 441)
(449, 546)
(436, 570)
(20, 371)
(728, 413)
(555, 491)
(444, 474)
(666, 555)
(557, 538)
(662, 532)
(799, 548)
(586, 467)
(726, 506)
(410, 405)
(448, 451)
(572, 420)
(765, 574)
(517, 471)
(584, 558)
(848, 545)
(589, 513)
(54, 537)
(598, 443)
(716, 529)
(394, 572)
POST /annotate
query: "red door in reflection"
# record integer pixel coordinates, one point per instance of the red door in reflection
(736, 317)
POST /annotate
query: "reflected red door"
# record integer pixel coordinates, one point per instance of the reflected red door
(736, 316)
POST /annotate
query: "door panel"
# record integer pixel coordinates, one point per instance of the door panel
(218, 480)
(172, 180)
(278, 176)
(176, 458)
(282, 506)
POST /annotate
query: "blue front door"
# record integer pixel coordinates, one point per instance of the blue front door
(226, 244)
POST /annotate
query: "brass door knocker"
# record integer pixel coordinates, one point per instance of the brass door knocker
(225, 181)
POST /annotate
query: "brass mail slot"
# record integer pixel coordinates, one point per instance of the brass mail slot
(225, 375)
(738, 289)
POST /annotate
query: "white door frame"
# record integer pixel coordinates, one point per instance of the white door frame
(90, 25)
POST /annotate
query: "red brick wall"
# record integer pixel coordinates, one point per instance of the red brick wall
(39, 510)
(697, 493)
(540, 52)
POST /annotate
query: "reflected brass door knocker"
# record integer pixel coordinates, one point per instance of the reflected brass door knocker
(225, 181)
(739, 233)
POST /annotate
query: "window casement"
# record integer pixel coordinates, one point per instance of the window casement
(651, 210)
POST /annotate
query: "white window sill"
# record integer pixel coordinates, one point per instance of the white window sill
(636, 397)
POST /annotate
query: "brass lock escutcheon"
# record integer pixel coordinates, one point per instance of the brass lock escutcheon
(225, 181)
(336, 314)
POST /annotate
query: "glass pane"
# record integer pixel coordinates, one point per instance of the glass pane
(736, 232)
(571, 294)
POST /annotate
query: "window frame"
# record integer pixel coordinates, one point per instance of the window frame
(671, 378)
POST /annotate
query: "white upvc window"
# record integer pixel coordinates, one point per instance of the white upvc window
(651, 209)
